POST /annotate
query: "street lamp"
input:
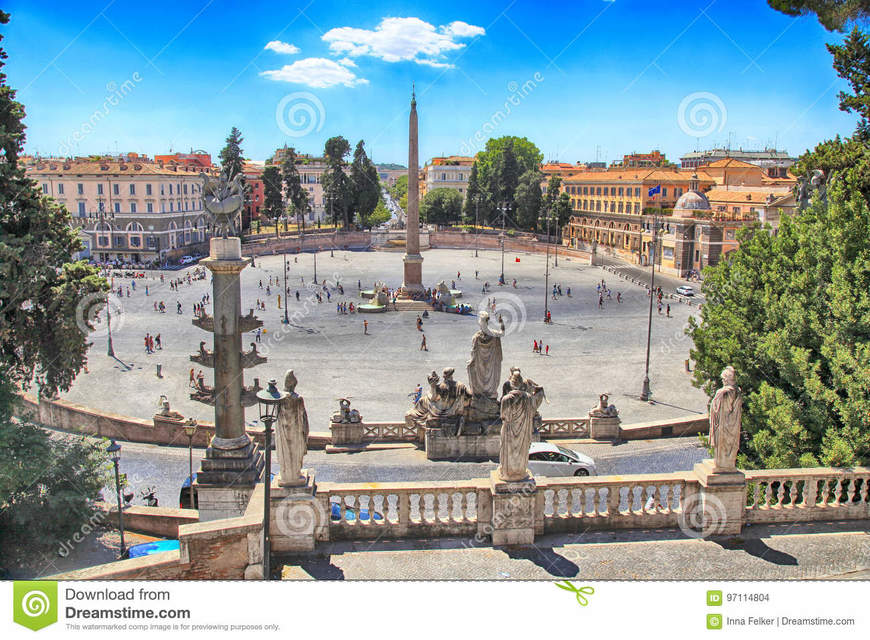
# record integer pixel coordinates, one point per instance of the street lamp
(503, 212)
(547, 273)
(110, 350)
(190, 431)
(645, 392)
(270, 405)
(286, 317)
(476, 218)
(114, 449)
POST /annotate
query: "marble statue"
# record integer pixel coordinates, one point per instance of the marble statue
(444, 406)
(345, 413)
(518, 409)
(166, 411)
(291, 434)
(602, 409)
(726, 410)
(223, 199)
(484, 372)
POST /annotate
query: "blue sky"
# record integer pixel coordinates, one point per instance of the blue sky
(583, 80)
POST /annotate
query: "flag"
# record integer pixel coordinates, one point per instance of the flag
(654, 190)
(517, 259)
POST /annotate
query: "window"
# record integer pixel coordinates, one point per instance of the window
(99, 189)
(135, 241)
(80, 188)
(103, 241)
(59, 188)
(81, 209)
(117, 207)
(161, 190)
(147, 189)
(170, 189)
(149, 207)
(132, 189)
(171, 206)
(443, 177)
(44, 187)
(116, 189)
(620, 190)
(132, 207)
(185, 188)
(664, 192)
(637, 192)
(598, 192)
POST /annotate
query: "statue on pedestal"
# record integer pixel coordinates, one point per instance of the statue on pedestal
(484, 370)
(603, 410)
(444, 406)
(726, 411)
(345, 413)
(223, 199)
(291, 434)
(518, 409)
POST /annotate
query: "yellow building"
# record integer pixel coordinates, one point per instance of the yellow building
(449, 172)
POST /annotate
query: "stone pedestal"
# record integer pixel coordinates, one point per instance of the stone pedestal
(513, 510)
(440, 446)
(721, 501)
(604, 428)
(297, 517)
(346, 433)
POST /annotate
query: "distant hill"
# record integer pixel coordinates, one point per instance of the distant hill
(390, 166)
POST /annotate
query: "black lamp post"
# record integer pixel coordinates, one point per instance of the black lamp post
(190, 431)
(645, 391)
(503, 212)
(115, 450)
(476, 218)
(547, 273)
(110, 349)
(270, 404)
(286, 317)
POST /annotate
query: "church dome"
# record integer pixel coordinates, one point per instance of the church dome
(693, 201)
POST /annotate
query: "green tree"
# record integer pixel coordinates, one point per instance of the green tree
(46, 302)
(232, 163)
(562, 212)
(833, 14)
(529, 200)
(473, 194)
(499, 167)
(791, 311)
(554, 186)
(365, 184)
(296, 194)
(399, 188)
(380, 215)
(273, 200)
(441, 206)
(337, 190)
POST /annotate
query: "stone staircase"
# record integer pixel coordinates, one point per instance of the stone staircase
(413, 305)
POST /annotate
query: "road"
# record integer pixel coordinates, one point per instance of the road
(165, 468)
(667, 282)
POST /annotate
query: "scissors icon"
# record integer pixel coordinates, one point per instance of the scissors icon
(578, 592)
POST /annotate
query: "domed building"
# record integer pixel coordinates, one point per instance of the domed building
(689, 203)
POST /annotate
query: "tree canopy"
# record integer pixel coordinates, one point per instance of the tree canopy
(441, 206)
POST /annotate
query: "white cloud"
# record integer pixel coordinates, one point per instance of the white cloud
(463, 29)
(281, 47)
(434, 63)
(315, 72)
(399, 39)
(347, 62)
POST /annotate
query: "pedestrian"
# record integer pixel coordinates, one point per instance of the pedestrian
(155, 305)
(200, 380)
(365, 327)
(547, 352)
(668, 312)
(261, 284)
(475, 274)
(146, 289)
(192, 382)
(259, 334)
(619, 297)
(660, 307)
(419, 323)
(549, 318)
(178, 306)
(297, 295)
(158, 342)
(568, 291)
(423, 346)
(458, 276)
(359, 285)
(534, 346)
(147, 350)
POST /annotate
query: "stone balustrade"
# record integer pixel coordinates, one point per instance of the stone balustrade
(389, 432)
(564, 428)
(403, 509)
(644, 501)
(801, 495)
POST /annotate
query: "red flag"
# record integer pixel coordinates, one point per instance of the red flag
(517, 259)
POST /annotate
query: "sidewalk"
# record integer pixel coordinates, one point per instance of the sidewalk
(763, 552)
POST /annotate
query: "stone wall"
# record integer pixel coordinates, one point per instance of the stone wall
(454, 240)
(161, 522)
(314, 241)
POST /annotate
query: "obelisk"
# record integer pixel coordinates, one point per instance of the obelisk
(413, 280)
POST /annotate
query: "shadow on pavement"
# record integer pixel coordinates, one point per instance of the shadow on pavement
(556, 565)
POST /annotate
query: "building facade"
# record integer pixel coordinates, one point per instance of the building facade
(128, 209)
(774, 163)
(450, 172)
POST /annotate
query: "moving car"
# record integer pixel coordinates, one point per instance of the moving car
(546, 459)
(685, 290)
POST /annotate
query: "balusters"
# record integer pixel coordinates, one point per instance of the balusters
(793, 493)
(864, 482)
(416, 508)
(613, 499)
(826, 491)
(811, 487)
(780, 493)
(404, 507)
(768, 493)
(838, 491)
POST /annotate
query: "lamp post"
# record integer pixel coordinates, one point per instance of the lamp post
(270, 405)
(547, 274)
(476, 229)
(556, 248)
(286, 317)
(503, 211)
(645, 392)
(110, 350)
(190, 431)
(115, 450)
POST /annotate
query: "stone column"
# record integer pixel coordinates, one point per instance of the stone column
(233, 462)
(413, 261)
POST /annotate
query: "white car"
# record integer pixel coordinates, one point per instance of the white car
(186, 260)
(685, 290)
(546, 459)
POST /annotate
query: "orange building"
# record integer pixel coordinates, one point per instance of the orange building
(192, 159)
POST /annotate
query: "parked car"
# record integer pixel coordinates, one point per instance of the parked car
(685, 290)
(150, 548)
(186, 260)
(546, 459)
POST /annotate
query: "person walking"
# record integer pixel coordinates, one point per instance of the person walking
(423, 346)
(200, 380)
(549, 318)
(259, 335)
(419, 323)
(668, 311)
(192, 382)
(534, 346)
(158, 342)
(619, 297)
(365, 327)
(660, 307)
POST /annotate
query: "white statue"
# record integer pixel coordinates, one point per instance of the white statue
(726, 410)
(291, 434)
(484, 368)
(518, 409)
